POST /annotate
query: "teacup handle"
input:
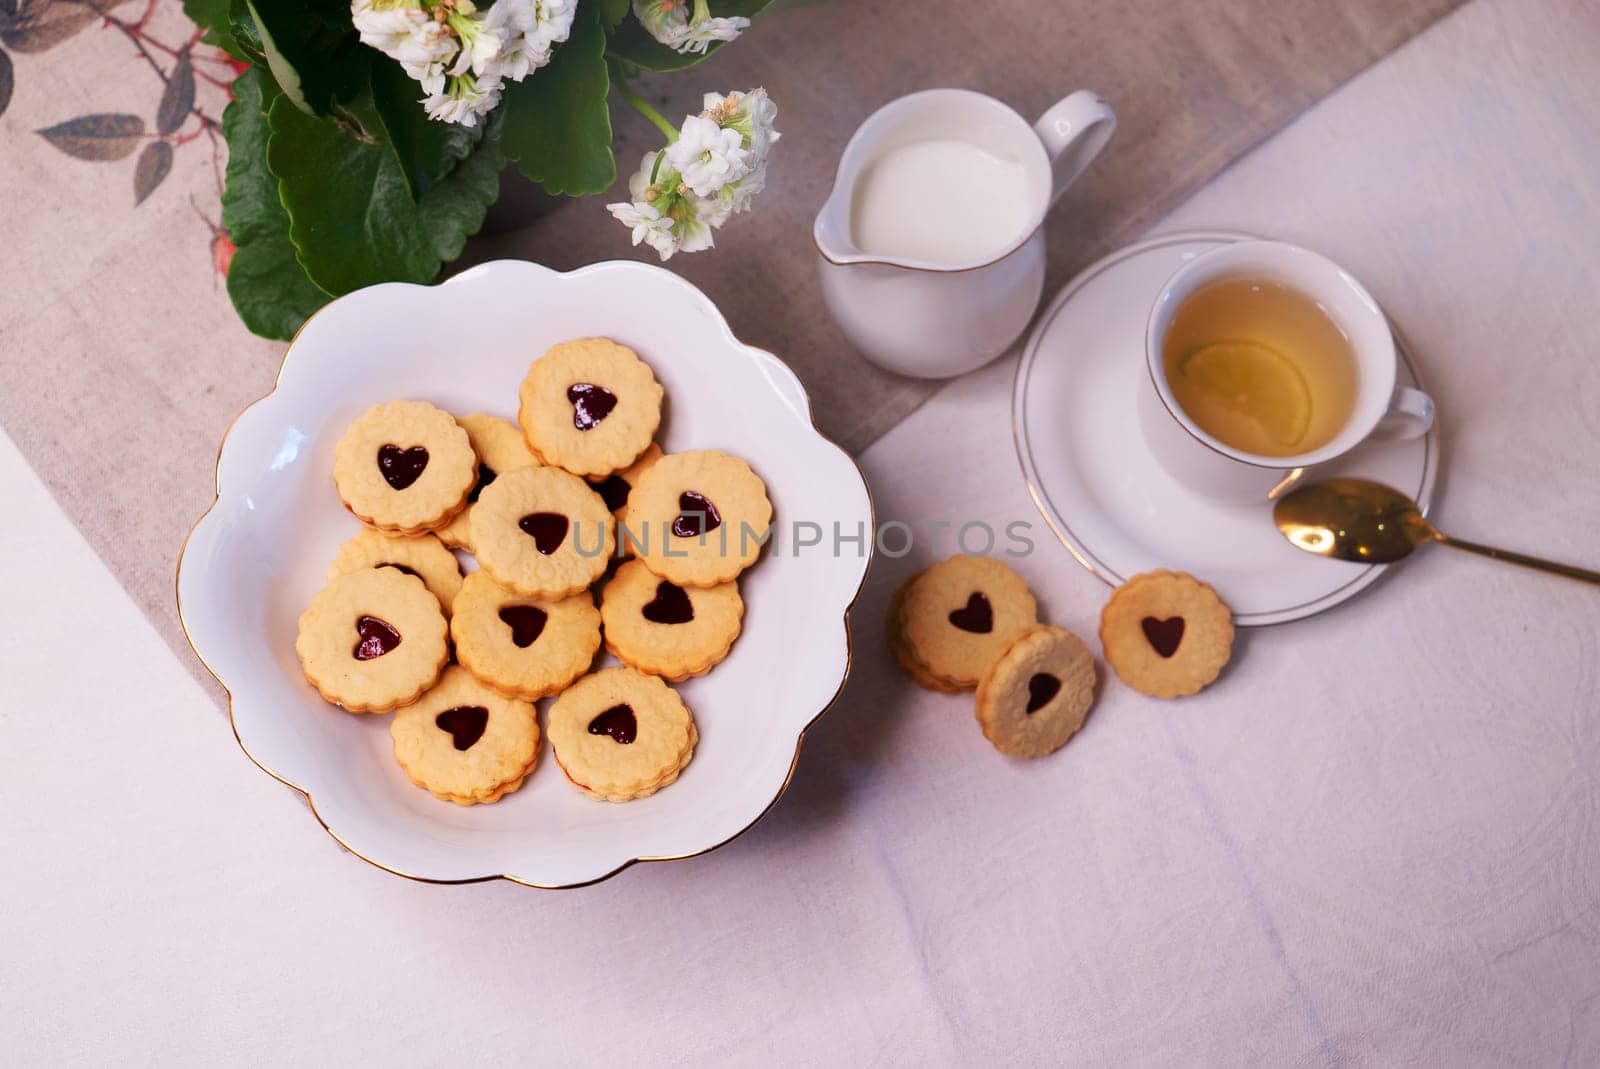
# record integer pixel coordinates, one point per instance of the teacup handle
(1074, 131)
(1410, 415)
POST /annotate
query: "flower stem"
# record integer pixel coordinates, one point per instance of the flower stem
(643, 107)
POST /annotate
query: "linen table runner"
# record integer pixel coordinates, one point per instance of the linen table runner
(121, 361)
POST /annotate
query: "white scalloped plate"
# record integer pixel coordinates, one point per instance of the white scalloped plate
(257, 556)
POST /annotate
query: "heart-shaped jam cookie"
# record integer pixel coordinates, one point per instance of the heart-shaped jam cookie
(696, 515)
(526, 623)
(618, 722)
(671, 605)
(1165, 635)
(977, 616)
(376, 638)
(547, 528)
(402, 467)
(465, 723)
(590, 404)
(1042, 686)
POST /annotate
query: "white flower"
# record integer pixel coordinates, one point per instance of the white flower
(529, 30)
(408, 34)
(752, 113)
(708, 156)
(686, 26)
(464, 100)
(648, 225)
(479, 43)
(663, 214)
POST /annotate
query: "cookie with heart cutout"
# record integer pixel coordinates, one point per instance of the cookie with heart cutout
(372, 640)
(423, 556)
(521, 646)
(698, 518)
(1166, 634)
(464, 743)
(500, 447)
(542, 532)
(1036, 695)
(589, 406)
(666, 630)
(961, 614)
(620, 734)
(404, 467)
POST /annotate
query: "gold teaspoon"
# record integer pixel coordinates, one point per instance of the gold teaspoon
(1370, 523)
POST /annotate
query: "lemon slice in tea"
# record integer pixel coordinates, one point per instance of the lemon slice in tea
(1248, 395)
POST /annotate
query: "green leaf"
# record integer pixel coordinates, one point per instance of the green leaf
(615, 10)
(317, 63)
(557, 123)
(209, 15)
(269, 289)
(633, 45)
(426, 151)
(352, 219)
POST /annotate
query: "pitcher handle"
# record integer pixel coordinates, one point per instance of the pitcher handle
(1074, 131)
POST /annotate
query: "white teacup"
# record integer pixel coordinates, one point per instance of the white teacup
(937, 319)
(1381, 407)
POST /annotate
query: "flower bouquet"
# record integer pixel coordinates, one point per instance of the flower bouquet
(367, 137)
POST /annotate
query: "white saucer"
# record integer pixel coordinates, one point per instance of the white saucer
(1108, 500)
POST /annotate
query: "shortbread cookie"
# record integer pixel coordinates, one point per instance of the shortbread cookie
(464, 743)
(499, 445)
(666, 630)
(1035, 697)
(405, 467)
(1166, 633)
(698, 518)
(542, 532)
(893, 626)
(590, 406)
(618, 486)
(373, 640)
(620, 734)
(961, 614)
(423, 556)
(523, 647)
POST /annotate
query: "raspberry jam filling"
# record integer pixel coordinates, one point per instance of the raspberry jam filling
(671, 605)
(1041, 688)
(401, 467)
(465, 723)
(526, 623)
(613, 490)
(377, 638)
(977, 616)
(1164, 636)
(618, 722)
(486, 476)
(590, 404)
(547, 528)
(696, 515)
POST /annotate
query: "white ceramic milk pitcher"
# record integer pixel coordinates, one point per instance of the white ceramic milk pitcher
(935, 319)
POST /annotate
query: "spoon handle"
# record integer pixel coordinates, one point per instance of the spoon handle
(1568, 570)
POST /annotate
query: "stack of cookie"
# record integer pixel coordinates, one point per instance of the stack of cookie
(971, 622)
(546, 505)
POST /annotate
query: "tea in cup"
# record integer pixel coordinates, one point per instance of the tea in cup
(1266, 360)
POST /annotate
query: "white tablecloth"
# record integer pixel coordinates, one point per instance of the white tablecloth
(1376, 841)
